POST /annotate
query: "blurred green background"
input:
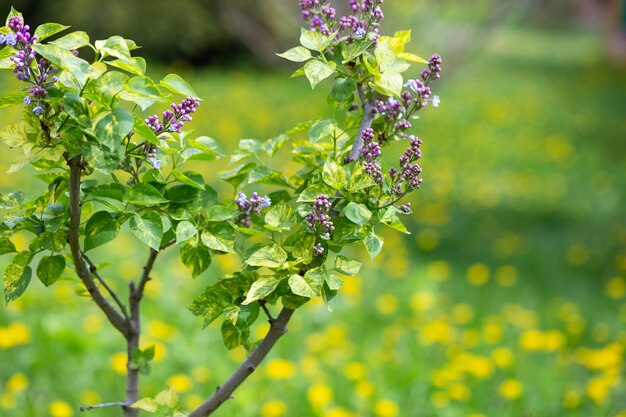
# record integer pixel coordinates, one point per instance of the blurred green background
(509, 296)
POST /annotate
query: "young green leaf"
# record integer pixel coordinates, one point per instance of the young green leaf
(100, 229)
(261, 288)
(314, 40)
(48, 29)
(317, 71)
(195, 256)
(271, 256)
(50, 269)
(391, 219)
(74, 40)
(185, 231)
(300, 287)
(297, 54)
(334, 175)
(280, 217)
(144, 195)
(148, 228)
(373, 244)
(6, 246)
(357, 213)
(347, 266)
(176, 84)
(16, 280)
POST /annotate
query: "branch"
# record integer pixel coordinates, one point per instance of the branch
(277, 328)
(116, 319)
(94, 271)
(366, 123)
(104, 405)
(263, 305)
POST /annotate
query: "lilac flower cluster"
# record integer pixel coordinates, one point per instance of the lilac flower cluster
(366, 18)
(410, 171)
(173, 120)
(255, 204)
(42, 77)
(369, 155)
(434, 68)
(318, 219)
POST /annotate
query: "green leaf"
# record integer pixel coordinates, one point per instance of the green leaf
(391, 219)
(148, 228)
(272, 256)
(220, 238)
(80, 69)
(145, 195)
(185, 231)
(300, 287)
(407, 56)
(105, 88)
(50, 269)
(142, 91)
(347, 266)
(312, 191)
(297, 54)
(280, 217)
(12, 99)
(176, 84)
(13, 13)
(187, 180)
(48, 29)
(334, 282)
(135, 65)
(144, 131)
(317, 71)
(353, 50)
(146, 404)
(388, 83)
(321, 130)
(373, 244)
(16, 279)
(314, 40)
(6, 246)
(110, 132)
(114, 46)
(74, 40)
(218, 213)
(357, 213)
(334, 175)
(310, 285)
(234, 336)
(100, 229)
(77, 109)
(343, 89)
(261, 288)
(195, 256)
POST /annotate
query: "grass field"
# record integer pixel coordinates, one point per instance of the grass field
(507, 300)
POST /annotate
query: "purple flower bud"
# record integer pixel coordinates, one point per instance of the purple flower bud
(38, 110)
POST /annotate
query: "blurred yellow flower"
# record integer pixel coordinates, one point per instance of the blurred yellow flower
(532, 340)
(273, 408)
(201, 374)
(89, 397)
(261, 330)
(479, 366)
(160, 330)
(193, 401)
(118, 363)
(364, 389)
(386, 408)
(338, 412)
(554, 340)
(615, 288)
(608, 357)
(478, 274)
(14, 334)
(470, 338)
(280, 369)
(440, 399)
(506, 275)
(511, 389)
(422, 301)
(427, 239)
(577, 254)
(60, 409)
(310, 366)
(387, 303)
(462, 313)
(438, 271)
(492, 333)
(459, 392)
(571, 399)
(351, 287)
(598, 389)
(355, 371)
(319, 395)
(502, 357)
(92, 323)
(179, 382)
(7, 401)
(16, 383)
(438, 331)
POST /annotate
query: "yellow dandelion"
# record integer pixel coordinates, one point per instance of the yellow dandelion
(440, 399)
(422, 301)
(273, 408)
(351, 287)
(459, 392)
(387, 304)
(506, 275)
(280, 369)
(118, 363)
(615, 288)
(553, 340)
(193, 401)
(261, 330)
(364, 389)
(338, 412)
(511, 389)
(532, 340)
(7, 401)
(160, 330)
(93, 323)
(462, 313)
(438, 331)
(16, 383)
(355, 371)
(502, 357)
(179, 382)
(60, 409)
(571, 399)
(598, 389)
(89, 397)
(478, 274)
(319, 395)
(201, 374)
(492, 333)
(479, 366)
(438, 271)
(386, 408)
(470, 338)
(310, 366)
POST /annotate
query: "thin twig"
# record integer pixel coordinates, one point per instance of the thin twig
(116, 319)
(366, 123)
(103, 405)
(94, 271)
(277, 328)
(263, 305)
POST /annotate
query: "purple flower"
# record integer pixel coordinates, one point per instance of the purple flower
(173, 120)
(255, 204)
(436, 100)
(318, 249)
(318, 219)
(27, 100)
(38, 110)
(10, 39)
